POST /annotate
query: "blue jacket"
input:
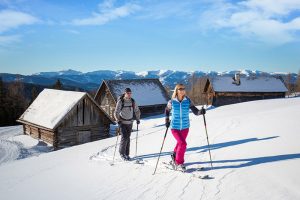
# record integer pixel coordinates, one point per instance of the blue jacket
(180, 113)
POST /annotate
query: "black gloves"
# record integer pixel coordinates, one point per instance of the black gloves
(202, 111)
(167, 122)
(138, 122)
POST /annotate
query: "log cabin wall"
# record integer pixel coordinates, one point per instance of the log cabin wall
(218, 98)
(208, 90)
(105, 99)
(147, 111)
(226, 98)
(39, 133)
(82, 124)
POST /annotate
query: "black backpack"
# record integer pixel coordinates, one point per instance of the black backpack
(132, 104)
(122, 100)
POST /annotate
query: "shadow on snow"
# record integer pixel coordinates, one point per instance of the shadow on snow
(241, 162)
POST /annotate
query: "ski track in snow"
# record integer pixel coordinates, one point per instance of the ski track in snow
(147, 189)
(203, 190)
(111, 190)
(232, 123)
(184, 188)
(106, 153)
(11, 150)
(10, 131)
(103, 153)
(220, 183)
(167, 186)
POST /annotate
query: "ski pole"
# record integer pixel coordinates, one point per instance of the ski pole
(207, 139)
(118, 132)
(160, 151)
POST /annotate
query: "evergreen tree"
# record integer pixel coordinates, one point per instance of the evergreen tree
(288, 83)
(34, 94)
(1, 91)
(2, 103)
(58, 85)
(17, 102)
(298, 82)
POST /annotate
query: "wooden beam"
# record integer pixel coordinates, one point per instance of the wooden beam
(32, 124)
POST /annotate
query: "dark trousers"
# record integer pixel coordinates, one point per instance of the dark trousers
(125, 139)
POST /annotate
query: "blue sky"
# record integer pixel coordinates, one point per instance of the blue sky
(39, 35)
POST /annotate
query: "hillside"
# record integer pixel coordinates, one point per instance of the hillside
(92, 80)
(254, 145)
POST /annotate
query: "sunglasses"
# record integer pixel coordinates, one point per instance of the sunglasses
(181, 89)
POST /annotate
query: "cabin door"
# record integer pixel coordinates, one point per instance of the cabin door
(83, 137)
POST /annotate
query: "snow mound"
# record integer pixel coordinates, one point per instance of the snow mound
(14, 145)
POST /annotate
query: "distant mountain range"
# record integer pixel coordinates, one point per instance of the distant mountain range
(92, 80)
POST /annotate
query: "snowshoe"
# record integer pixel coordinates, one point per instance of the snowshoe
(181, 168)
(173, 156)
(176, 167)
(124, 157)
(127, 158)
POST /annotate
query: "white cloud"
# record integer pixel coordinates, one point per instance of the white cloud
(271, 7)
(105, 5)
(6, 40)
(107, 12)
(10, 19)
(265, 20)
(165, 9)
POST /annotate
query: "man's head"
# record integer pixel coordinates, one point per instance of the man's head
(127, 93)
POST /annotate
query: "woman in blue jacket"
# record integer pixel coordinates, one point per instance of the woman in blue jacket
(179, 106)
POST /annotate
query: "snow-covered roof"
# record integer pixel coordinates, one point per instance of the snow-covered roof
(145, 91)
(50, 107)
(248, 84)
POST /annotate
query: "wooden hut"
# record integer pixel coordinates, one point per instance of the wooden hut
(227, 90)
(149, 95)
(65, 118)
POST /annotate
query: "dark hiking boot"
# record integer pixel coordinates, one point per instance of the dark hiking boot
(173, 157)
(124, 157)
(128, 157)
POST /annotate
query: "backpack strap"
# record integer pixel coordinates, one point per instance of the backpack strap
(122, 101)
(132, 105)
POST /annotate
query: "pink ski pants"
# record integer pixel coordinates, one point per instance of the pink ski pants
(180, 148)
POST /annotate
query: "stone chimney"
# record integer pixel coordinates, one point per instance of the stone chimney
(237, 79)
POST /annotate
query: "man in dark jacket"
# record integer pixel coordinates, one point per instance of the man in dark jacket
(125, 111)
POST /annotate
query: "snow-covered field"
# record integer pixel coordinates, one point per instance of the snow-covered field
(255, 150)
(14, 145)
